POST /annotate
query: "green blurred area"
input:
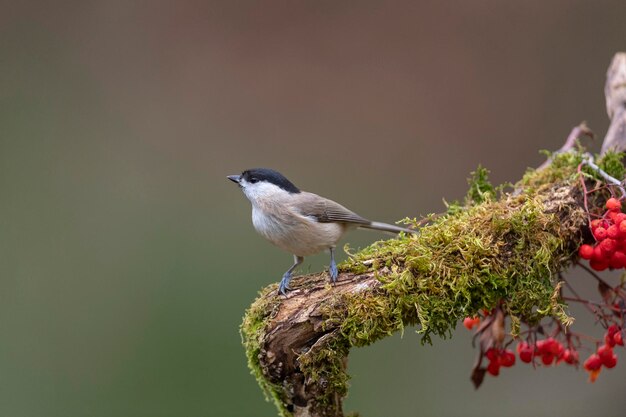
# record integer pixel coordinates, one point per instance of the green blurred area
(126, 257)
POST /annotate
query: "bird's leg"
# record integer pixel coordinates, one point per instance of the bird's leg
(284, 283)
(332, 268)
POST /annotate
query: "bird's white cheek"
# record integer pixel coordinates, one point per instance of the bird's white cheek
(263, 192)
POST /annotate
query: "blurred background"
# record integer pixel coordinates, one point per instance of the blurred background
(126, 257)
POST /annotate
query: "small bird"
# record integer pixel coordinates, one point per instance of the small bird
(299, 222)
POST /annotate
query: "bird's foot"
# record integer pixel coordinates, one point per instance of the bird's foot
(284, 283)
(333, 271)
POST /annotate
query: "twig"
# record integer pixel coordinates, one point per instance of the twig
(588, 160)
(570, 142)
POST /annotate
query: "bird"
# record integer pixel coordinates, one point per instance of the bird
(299, 222)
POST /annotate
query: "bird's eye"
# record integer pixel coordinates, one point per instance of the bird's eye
(253, 180)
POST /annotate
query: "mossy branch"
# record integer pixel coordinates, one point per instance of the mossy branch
(490, 252)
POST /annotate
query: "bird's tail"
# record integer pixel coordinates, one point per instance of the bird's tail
(387, 228)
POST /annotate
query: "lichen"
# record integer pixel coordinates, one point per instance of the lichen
(485, 253)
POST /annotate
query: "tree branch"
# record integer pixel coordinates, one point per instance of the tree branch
(504, 252)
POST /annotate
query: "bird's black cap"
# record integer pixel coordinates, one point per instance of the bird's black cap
(271, 176)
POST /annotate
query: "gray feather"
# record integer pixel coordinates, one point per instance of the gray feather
(327, 211)
(387, 228)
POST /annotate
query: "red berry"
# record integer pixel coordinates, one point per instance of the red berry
(605, 351)
(585, 251)
(598, 254)
(618, 339)
(540, 347)
(608, 246)
(493, 368)
(549, 345)
(470, 322)
(612, 329)
(619, 217)
(525, 351)
(598, 265)
(599, 233)
(570, 356)
(609, 336)
(559, 349)
(526, 356)
(613, 232)
(610, 362)
(492, 354)
(595, 224)
(593, 362)
(622, 228)
(609, 340)
(507, 358)
(613, 204)
(617, 260)
(547, 358)
(553, 346)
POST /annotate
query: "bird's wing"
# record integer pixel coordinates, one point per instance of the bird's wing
(327, 211)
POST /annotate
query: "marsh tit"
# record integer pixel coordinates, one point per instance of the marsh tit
(299, 222)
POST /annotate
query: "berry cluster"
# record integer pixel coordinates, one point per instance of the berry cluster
(604, 355)
(498, 358)
(562, 345)
(550, 351)
(609, 232)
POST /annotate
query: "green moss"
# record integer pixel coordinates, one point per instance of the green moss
(480, 189)
(328, 365)
(562, 168)
(495, 252)
(611, 163)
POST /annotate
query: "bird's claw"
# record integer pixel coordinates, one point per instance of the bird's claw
(333, 271)
(284, 284)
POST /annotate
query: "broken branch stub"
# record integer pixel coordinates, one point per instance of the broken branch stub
(615, 94)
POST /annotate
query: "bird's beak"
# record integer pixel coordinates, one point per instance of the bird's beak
(234, 178)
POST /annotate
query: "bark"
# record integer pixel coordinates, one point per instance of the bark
(298, 332)
(615, 93)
